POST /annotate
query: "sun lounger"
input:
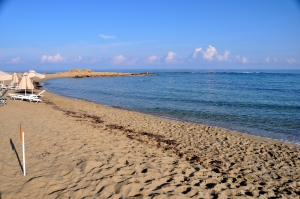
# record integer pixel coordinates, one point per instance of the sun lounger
(3, 101)
(4, 92)
(39, 95)
(12, 95)
(3, 86)
(33, 99)
(16, 96)
(25, 97)
(16, 88)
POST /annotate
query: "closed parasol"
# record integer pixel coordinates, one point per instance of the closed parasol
(25, 83)
(15, 79)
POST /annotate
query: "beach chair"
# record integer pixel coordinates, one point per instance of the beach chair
(25, 97)
(34, 99)
(16, 88)
(1, 96)
(12, 95)
(3, 86)
(13, 87)
(3, 100)
(31, 99)
(39, 95)
(16, 96)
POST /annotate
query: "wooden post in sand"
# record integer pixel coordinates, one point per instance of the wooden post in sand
(22, 137)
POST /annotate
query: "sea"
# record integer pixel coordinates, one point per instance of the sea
(262, 103)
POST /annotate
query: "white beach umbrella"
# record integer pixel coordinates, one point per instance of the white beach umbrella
(32, 73)
(4, 76)
(26, 83)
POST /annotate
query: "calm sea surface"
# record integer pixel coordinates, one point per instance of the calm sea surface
(260, 103)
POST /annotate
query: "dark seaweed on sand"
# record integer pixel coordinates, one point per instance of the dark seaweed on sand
(144, 137)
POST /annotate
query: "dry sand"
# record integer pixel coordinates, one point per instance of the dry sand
(79, 149)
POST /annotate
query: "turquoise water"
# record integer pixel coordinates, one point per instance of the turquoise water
(259, 103)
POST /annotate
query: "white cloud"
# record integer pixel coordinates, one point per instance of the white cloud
(152, 59)
(79, 58)
(267, 59)
(275, 59)
(209, 53)
(133, 61)
(94, 60)
(243, 59)
(16, 60)
(107, 36)
(224, 57)
(291, 60)
(197, 50)
(171, 57)
(118, 59)
(55, 58)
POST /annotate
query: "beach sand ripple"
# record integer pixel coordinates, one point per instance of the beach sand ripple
(79, 149)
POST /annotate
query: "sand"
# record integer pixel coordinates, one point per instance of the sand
(79, 149)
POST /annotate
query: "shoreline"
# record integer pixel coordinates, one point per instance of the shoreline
(246, 135)
(77, 149)
(112, 74)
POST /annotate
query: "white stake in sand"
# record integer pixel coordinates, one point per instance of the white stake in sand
(22, 136)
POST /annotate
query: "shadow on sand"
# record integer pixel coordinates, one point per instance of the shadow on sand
(14, 149)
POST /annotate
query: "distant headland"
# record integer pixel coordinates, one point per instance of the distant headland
(82, 73)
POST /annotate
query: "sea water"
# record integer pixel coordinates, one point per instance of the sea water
(263, 103)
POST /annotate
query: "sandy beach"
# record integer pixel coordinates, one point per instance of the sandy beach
(79, 149)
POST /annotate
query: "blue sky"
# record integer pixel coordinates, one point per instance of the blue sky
(195, 34)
